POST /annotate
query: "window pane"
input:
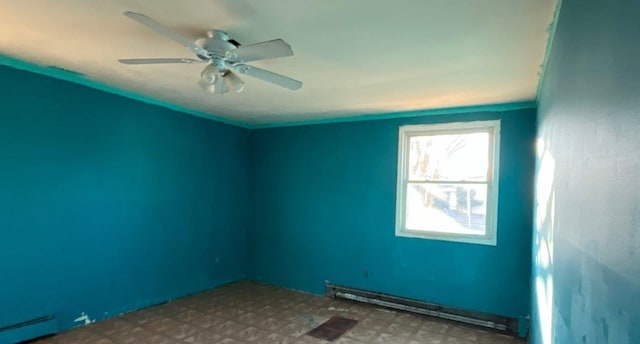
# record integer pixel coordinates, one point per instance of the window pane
(447, 208)
(457, 157)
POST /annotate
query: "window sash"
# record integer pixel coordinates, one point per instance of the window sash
(492, 127)
(421, 181)
(491, 130)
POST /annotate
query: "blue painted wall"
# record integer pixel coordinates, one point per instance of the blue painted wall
(587, 237)
(108, 204)
(323, 208)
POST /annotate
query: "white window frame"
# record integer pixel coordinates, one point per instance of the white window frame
(405, 134)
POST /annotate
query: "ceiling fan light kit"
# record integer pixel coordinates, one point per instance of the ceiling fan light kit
(225, 58)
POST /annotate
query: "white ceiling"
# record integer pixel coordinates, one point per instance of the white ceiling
(354, 57)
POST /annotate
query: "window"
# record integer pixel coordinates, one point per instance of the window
(448, 181)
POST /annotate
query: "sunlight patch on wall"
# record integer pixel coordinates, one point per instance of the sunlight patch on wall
(545, 215)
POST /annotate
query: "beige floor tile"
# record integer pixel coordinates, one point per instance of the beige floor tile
(253, 313)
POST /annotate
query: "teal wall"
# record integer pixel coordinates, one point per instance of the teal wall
(587, 235)
(108, 204)
(323, 208)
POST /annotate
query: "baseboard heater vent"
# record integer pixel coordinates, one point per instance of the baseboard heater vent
(509, 325)
(27, 330)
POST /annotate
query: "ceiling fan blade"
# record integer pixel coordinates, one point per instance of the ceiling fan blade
(268, 76)
(157, 61)
(165, 31)
(260, 51)
(234, 82)
(220, 86)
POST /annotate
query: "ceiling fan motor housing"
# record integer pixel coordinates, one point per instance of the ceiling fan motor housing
(216, 43)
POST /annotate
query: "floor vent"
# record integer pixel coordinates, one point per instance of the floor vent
(509, 325)
(333, 328)
(29, 329)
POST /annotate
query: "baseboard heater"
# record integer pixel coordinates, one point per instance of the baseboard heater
(27, 330)
(509, 325)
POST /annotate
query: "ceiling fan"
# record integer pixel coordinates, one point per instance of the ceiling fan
(225, 58)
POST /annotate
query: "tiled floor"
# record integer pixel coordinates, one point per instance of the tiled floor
(247, 312)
